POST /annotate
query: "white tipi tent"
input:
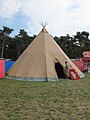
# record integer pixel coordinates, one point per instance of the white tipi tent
(37, 62)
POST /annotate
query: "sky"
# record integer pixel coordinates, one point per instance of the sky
(63, 16)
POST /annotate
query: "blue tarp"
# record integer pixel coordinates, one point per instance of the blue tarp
(8, 65)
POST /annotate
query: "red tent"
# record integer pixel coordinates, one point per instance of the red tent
(2, 68)
(79, 64)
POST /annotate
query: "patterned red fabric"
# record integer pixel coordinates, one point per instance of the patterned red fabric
(73, 74)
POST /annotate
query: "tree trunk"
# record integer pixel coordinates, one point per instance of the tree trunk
(2, 52)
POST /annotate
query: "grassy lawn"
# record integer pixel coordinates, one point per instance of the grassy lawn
(64, 100)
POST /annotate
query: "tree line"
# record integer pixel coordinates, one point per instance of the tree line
(12, 47)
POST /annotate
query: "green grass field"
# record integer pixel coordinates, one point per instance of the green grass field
(64, 100)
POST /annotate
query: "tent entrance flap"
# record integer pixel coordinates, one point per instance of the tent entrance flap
(59, 70)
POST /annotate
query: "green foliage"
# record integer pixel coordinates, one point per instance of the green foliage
(4, 39)
(12, 47)
(74, 45)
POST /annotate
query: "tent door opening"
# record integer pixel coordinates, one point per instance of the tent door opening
(59, 70)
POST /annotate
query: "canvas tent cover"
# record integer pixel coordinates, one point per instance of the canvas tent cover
(37, 62)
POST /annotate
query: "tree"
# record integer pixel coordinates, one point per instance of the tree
(74, 45)
(82, 41)
(12, 47)
(22, 40)
(4, 36)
